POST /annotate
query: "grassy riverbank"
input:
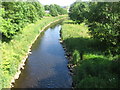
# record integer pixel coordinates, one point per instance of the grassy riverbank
(90, 67)
(14, 52)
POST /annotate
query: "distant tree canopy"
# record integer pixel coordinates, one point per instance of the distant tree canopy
(55, 10)
(103, 20)
(77, 11)
(15, 15)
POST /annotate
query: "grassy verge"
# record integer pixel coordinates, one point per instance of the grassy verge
(14, 51)
(90, 67)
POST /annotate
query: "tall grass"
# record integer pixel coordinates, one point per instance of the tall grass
(92, 68)
(14, 51)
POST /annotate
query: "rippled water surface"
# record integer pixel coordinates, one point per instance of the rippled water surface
(46, 67)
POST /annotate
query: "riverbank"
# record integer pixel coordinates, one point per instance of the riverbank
(15, 53)
(89, 67)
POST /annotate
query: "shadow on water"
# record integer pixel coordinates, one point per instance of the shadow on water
(46, 67)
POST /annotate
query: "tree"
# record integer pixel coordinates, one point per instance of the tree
(40, 9)
(47, 7)
(17, 14)
(103, 20)
(104, 23)
(77, 11)
(53, 11)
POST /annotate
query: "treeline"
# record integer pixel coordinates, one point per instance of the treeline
(103, 20)
(55, 10)
(15, 15)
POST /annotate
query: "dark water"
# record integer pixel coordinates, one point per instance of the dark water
(46, 67)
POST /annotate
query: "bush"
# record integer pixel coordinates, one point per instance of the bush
(95, 73)
(75, 57)
(96, 82)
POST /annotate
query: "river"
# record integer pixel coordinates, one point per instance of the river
(46, 67)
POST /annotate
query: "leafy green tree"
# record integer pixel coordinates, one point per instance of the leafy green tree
(32, 15)
(53, 11)
(47, 7)
(77, 11)
(6, 26)
(104, 23)
(103, 20)
(17, 14)
(40, 9)
(60, 10)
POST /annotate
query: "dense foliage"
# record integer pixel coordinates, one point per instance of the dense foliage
(15, 15)
(103, 20)
(55, 10)
(90, 67)
(77, 11)
(95, 59)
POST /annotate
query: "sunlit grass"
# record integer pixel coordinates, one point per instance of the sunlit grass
(75, 30)
(92, 68)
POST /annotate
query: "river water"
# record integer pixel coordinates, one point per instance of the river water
(46, 67)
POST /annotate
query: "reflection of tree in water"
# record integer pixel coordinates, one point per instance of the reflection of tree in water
(54, 24)
(37, 42)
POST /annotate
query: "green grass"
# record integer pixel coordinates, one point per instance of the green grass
(14, 51)
(93, 69)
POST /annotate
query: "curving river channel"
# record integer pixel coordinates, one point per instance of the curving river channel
(46, 67)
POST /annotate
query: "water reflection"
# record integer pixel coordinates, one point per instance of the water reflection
(46, 66)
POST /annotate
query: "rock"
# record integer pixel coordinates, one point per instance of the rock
(71, 73)
(61, 41)
(66, 57)
(73, 85)
(11, 85)
(59, 38)
(65, 49)
(68, 66)
(12, 82)
(30, 52)
(71, 69)
(22, 67)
